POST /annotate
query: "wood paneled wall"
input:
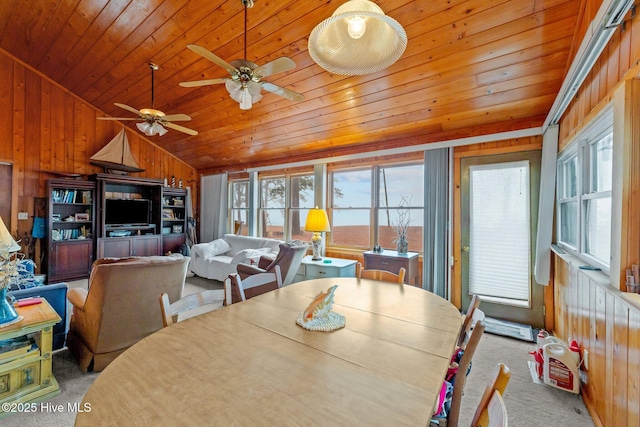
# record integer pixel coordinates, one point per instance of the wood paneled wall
(45, 129)
(590, 307)
(607, 326)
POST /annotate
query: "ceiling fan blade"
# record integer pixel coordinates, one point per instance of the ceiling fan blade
(175, 118)
(180, 128)
(197, 83)
(276, 66)
(213, 58)
(118, 118)
(126, 107)
(286, 93)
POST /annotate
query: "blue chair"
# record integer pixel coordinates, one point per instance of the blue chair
(56, 296)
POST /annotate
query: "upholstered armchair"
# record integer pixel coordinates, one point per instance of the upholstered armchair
(121, 306)
(288, 259)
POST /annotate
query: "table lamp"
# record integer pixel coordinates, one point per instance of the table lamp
(8, 245)
(317, 222)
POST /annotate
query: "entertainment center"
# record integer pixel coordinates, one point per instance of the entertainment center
(110, 216)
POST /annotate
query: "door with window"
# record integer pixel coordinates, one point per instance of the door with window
(499, 208)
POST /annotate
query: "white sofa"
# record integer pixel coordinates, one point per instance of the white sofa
(219, 258)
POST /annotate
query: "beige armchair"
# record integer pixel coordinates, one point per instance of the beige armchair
(288, 259)
(121, 306)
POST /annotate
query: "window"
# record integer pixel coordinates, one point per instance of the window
(584, 193)
(499, 231)
(351, 209)
(597, 200)
(284, 203)
(239, 194)
(400, 195)
(568, 200)
(301, 202)
(360, 220)
(272, 204)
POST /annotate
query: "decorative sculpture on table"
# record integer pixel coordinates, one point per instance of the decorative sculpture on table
(8, 273)
(402, 225)
(318, 315)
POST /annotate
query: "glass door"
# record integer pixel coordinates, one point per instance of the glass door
(499, 216)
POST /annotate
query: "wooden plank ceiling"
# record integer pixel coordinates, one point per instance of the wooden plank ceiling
(471, 67)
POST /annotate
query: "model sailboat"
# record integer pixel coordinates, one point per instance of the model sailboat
(116, 155)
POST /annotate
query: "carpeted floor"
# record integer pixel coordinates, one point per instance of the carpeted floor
(528, 404)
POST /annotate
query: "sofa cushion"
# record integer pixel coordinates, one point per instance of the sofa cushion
(239, 243)
(217, 247)
(247, 254)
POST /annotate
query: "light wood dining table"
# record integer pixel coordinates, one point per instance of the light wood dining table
(251, 364)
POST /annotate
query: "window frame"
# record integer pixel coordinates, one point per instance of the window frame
(232, 209)
(287, 208)
(375, 207)
(581, 149)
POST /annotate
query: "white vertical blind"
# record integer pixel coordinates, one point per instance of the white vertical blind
(499, 232)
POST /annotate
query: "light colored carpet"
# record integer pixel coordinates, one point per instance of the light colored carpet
(528, 404)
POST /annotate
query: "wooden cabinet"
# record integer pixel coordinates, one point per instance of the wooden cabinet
(129, 219)
(70, 260)
(327, 267)
(27, 376)
(392, 261)
(71, 224)
(122, 247)
(174, 218)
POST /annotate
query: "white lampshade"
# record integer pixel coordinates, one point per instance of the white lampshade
(357, 39)
(151, 128)
(246, 95)
(6, 240)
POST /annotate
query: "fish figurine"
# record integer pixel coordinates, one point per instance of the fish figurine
(321, 305)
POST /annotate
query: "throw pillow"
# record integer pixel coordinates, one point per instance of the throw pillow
(246, 254)
(218, 247)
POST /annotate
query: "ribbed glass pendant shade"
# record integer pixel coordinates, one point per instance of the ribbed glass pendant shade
(357, 39)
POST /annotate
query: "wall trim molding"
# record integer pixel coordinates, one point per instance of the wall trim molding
(493, 137)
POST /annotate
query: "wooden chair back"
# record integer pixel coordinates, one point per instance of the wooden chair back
(382, 275)
(237, 227)
(492, 411)
(461, 376)
(251, 286)
(468, 321)
(186, 304)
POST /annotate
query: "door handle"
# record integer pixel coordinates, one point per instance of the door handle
(465, 248)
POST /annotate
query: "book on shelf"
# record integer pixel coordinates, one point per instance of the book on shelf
(72, 196)
(17, 346)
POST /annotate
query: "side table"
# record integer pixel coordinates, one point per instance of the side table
(28, 377)
(335, 267)
(392, 261)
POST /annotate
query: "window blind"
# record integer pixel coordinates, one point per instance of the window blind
(499, 234)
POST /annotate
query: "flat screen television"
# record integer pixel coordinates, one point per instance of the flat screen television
(127, 212)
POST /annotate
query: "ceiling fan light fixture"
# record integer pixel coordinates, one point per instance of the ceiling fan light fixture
(245, 100)
(151, 129)
(357, 39)
(152, 112)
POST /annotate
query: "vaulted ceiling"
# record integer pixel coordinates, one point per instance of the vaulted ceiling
(471, 67)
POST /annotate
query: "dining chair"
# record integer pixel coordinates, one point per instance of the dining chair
(382, 275)
(191, 302)
(465, 329)
(237, 227)
(453, 415)
(239, 289)
(492, 411)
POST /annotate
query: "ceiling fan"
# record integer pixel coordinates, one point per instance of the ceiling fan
(246, 77)
(154, 121)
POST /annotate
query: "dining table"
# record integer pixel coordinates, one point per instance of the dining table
(250, 363)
